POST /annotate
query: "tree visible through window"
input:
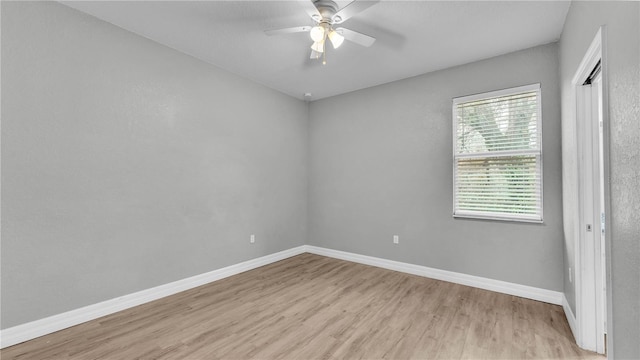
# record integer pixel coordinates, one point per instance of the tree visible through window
(498, 155)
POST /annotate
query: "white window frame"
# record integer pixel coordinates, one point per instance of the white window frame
(487, 95)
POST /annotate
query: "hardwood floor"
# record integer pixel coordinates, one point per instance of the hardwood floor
(313, 307)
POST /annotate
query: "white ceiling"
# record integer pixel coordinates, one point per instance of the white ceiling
(413, 37)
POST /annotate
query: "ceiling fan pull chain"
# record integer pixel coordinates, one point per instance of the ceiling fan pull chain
(324, 47)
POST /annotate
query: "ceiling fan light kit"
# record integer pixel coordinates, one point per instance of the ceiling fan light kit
(325, 14)
(317, 33)
(335, 38)
(318, 46)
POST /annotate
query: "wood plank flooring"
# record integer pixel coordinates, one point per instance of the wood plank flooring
(314, 307)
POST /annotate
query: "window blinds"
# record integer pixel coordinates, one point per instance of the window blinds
(498, 156)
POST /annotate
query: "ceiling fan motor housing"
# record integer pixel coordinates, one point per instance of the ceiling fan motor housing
(327, 10)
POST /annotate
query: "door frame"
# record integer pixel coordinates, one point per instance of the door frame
(585, 253)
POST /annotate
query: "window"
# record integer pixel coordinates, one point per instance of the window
(497, 171)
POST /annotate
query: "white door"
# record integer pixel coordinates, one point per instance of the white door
(592, 195)
(592, 201)
(599, 215)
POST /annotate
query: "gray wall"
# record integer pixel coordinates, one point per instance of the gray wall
(127, 165)
(381, 164)
(622, 20)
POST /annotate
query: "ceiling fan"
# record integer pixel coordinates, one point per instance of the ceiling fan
(326, 14)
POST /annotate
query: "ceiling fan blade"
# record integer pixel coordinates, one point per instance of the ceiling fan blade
(310, 9)
(290, 30)
(356, 37)
(353, 8)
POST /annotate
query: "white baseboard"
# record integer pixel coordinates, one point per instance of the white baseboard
(529, 292)
(571, 318)
(37, 328)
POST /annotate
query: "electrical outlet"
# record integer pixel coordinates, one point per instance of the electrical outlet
(252, 239)
(570, 277)
(396, 239)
